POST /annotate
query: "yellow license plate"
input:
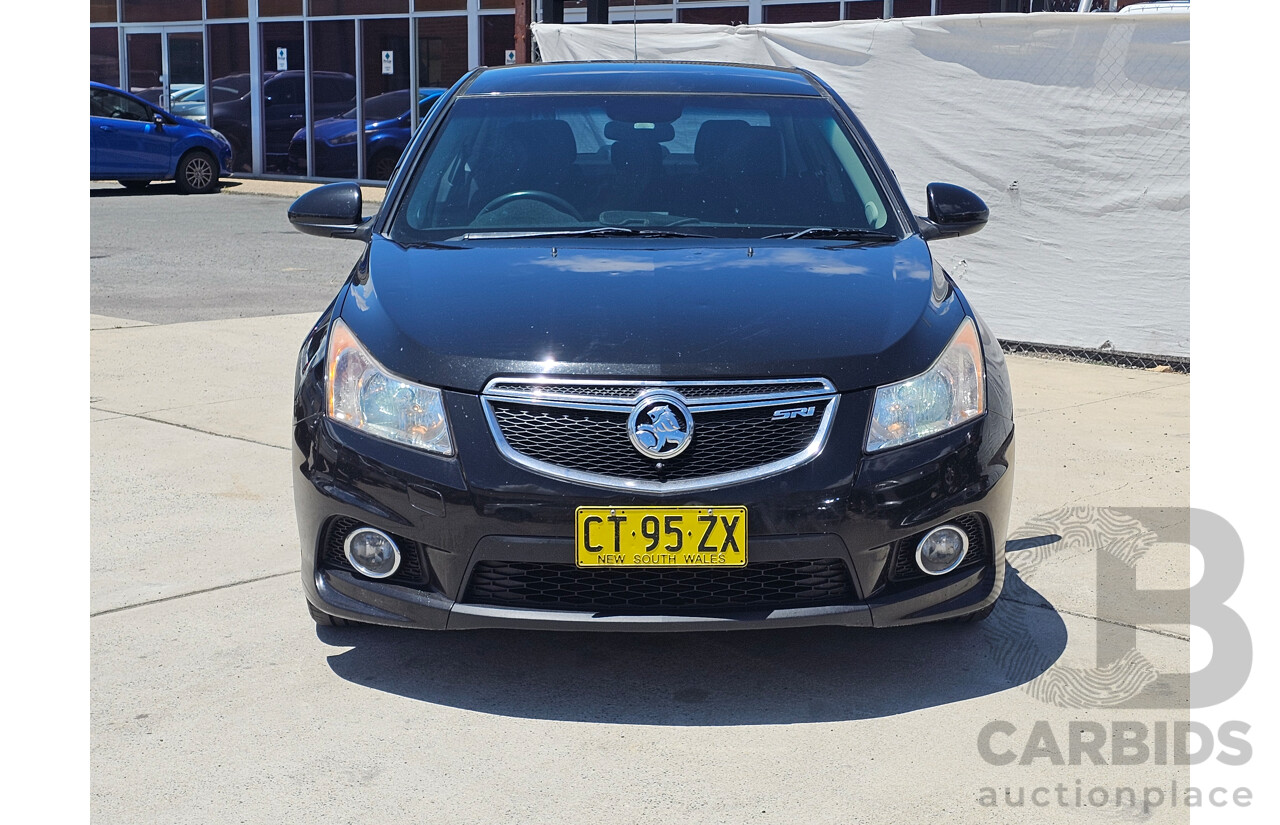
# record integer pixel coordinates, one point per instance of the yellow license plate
(661, 537)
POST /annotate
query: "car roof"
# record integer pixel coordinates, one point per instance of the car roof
(301, 72)
(93, 84)
(629, 76)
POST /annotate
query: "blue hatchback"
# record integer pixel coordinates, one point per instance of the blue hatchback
(387, 130)
(134, 142)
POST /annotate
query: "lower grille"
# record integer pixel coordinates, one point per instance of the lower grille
(333, 556)
(766, 585)
(904, 550)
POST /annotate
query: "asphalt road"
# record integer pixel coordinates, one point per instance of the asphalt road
(215, 699)
(161, 257)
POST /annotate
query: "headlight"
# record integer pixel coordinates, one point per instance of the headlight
(944, 396)
(218, 136)
(362, 394)
(342, 140)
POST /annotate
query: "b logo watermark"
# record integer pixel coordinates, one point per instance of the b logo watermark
(1121, 676)
(1118, 538)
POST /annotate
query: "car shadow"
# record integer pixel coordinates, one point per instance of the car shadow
(784, 676)
(155, 188)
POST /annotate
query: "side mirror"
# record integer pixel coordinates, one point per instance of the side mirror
(953, 211)
(332, 211)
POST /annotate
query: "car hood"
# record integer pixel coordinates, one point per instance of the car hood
(455, 318)
(334, 127)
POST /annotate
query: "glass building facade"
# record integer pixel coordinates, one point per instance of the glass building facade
(266, 72)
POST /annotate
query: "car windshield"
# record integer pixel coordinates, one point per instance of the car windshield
(196, 95)
(383, 107)
(236, 83)
(743, 166)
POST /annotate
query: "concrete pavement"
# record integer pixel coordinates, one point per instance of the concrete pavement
(288, 188)
(215, 698)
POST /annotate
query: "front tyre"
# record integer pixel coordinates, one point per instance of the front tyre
(384, 163)
(239, 162)
(197, 173)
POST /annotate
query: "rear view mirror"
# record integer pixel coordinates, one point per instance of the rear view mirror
(646, 109)
(953, 211)
(332, 211)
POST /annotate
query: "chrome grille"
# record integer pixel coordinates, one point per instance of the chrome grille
(629, 391)
(736, 436)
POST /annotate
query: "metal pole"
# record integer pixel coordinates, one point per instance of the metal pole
(362, 163)
(473, 34)
(308, 95)
(256, 115)
(415, 82)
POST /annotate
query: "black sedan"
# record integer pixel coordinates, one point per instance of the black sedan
(647, 346)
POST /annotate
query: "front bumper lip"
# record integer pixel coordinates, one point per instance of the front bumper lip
(341, 594)
(470, 617)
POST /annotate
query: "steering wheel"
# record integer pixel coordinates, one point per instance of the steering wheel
(554, 201)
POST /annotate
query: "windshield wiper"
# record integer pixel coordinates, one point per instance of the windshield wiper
(593, 232)
(425, 245)
(845, 233)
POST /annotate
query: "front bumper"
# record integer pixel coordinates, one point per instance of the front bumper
(330, 161)
(480, 517)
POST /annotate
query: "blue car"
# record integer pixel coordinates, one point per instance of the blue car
(134, 142)
(387, 131)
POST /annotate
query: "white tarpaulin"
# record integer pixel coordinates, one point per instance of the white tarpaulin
(1075, 129)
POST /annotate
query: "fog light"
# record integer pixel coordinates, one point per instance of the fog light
(942, 549)
(372, 552)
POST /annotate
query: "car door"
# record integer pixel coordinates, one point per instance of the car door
(284, 111)
(124, 139)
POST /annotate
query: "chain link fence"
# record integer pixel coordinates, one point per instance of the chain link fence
(1102, 355)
